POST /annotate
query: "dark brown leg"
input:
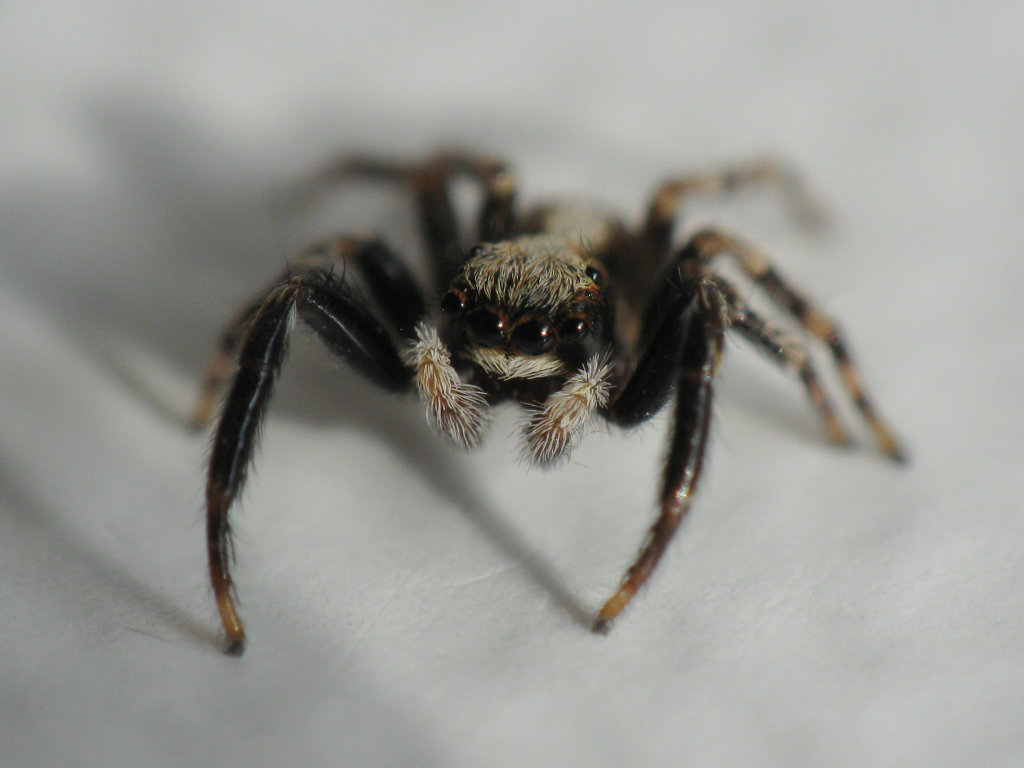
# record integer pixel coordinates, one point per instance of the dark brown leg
(221, 365)
(262, 354)
(387, 280)
(695, 325)
(431, 182)
(498, 220)
(347, 328)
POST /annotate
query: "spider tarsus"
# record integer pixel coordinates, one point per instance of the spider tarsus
(235, 647)
(897, 455)
(601, 625)
(196, 423)
(810, 213)
(203, 409)
(888, 444)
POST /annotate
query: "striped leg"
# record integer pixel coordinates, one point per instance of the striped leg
(663, 211)
(787, 352)
(814, 321)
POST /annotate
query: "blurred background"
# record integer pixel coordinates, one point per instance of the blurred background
(411, 603)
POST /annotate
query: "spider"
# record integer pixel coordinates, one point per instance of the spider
(568, 312)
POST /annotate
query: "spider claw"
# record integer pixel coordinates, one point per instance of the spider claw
(811, 214)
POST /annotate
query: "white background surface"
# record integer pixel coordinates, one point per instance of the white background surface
(408, 603)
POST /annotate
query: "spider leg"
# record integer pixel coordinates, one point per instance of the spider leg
(347, 327)
(683, 353)
(656, 237)
(498, 220)
(684, 325)
(653, 246)
(431, 183)
(787, 352)
(712, 243)
(383, 274)
(222, 364)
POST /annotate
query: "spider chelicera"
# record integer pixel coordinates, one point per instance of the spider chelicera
(570, 313)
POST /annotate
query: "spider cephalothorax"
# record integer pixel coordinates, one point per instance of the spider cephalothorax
(568, 312)
(521, 320)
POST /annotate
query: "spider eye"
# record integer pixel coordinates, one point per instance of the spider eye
(533, 337)
(486, 327)
(573, 329)
(453, 303)
(595, 274)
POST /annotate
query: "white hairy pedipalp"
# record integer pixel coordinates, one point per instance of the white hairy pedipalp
(553, 428)
(454, 407)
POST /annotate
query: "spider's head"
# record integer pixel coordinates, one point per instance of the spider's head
(525, 309)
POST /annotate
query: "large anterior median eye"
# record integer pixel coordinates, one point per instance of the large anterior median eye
(485, 326)
(533, 337)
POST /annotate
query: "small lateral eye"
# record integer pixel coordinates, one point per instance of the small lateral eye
(573, 329)
(453, 303)
(595, 274)
(533, 337)
(486, 327)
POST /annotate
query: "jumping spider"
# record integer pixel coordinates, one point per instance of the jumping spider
(567, 312)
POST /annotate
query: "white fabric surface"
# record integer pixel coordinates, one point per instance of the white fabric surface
(411, 604)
